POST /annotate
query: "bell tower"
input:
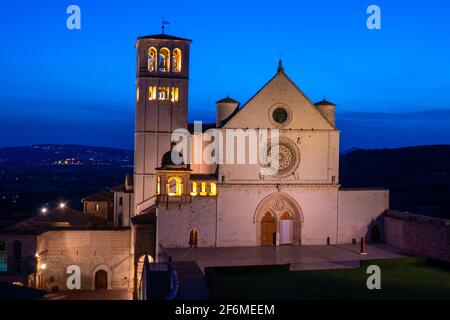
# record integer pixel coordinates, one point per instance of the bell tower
(162, 76)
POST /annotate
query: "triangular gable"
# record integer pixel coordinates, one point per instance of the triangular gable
(279, 90)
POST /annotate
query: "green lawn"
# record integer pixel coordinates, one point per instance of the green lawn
(407, 278)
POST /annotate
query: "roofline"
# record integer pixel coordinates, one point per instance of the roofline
(153, 37)
(295, 86)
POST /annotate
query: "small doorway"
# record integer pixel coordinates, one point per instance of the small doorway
(101, 280)
(286, 226)
(268, 226)
(375, 236)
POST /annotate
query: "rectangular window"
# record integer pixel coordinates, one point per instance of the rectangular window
(163, 93)
(174, 94)
(194, 189)
(97, 207)
(121, 201)
(152, 93)
(203, 190)
(212, 189)
(158, 185)
(3, 256)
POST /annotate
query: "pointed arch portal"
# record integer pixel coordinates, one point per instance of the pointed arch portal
(278, 219)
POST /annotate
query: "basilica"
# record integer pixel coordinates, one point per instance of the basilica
(216, 205)
(165, 204)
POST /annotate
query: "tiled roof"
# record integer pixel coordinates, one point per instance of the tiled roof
(148, 216)
(227, 100)
(324, 102)
(200, 177)
(101, 196)
(56, 218)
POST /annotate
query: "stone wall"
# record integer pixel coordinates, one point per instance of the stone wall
(418, 235)
(91, 250)
(175, 222)
(100, 209)
(359, 211)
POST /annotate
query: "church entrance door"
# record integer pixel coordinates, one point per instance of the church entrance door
(101, 280)
(268, 227)
(286, 227)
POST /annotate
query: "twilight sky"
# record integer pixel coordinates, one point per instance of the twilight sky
(391, 86)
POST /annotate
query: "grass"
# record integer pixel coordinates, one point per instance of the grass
(407, 278)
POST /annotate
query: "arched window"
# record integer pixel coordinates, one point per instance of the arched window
(164, 60)
(175, 186)
(17, 256)
(193, 238)
(151, 59)
(176, 60)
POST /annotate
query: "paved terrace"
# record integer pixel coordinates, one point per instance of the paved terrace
(300, 257)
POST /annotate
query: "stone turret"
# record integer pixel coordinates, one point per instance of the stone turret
(225, 108)
(328, 109)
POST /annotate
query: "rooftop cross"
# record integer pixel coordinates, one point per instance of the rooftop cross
(280, 66)
(164, 22)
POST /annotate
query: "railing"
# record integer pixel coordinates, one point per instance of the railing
(146, 204)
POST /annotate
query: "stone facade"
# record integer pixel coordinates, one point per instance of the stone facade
(302, 204)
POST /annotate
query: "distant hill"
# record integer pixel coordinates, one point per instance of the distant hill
(33, 176)
(48, 154)
(418, 177)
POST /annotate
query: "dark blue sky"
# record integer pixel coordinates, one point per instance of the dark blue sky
(392, 86)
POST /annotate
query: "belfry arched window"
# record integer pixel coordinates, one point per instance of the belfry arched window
(176, 60)
(164, 60)
(151, 59)
(174, 186)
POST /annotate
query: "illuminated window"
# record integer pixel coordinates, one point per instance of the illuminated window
(163, 93)
(212, 189)
(158, 185)
(193, 238)
(152, 93)
(97, 207)
(176, 60)
(151, 59)
(175, 186)
(174, 95)
(3, 257)
(164, 60)
(203, 189)
(194, 189)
